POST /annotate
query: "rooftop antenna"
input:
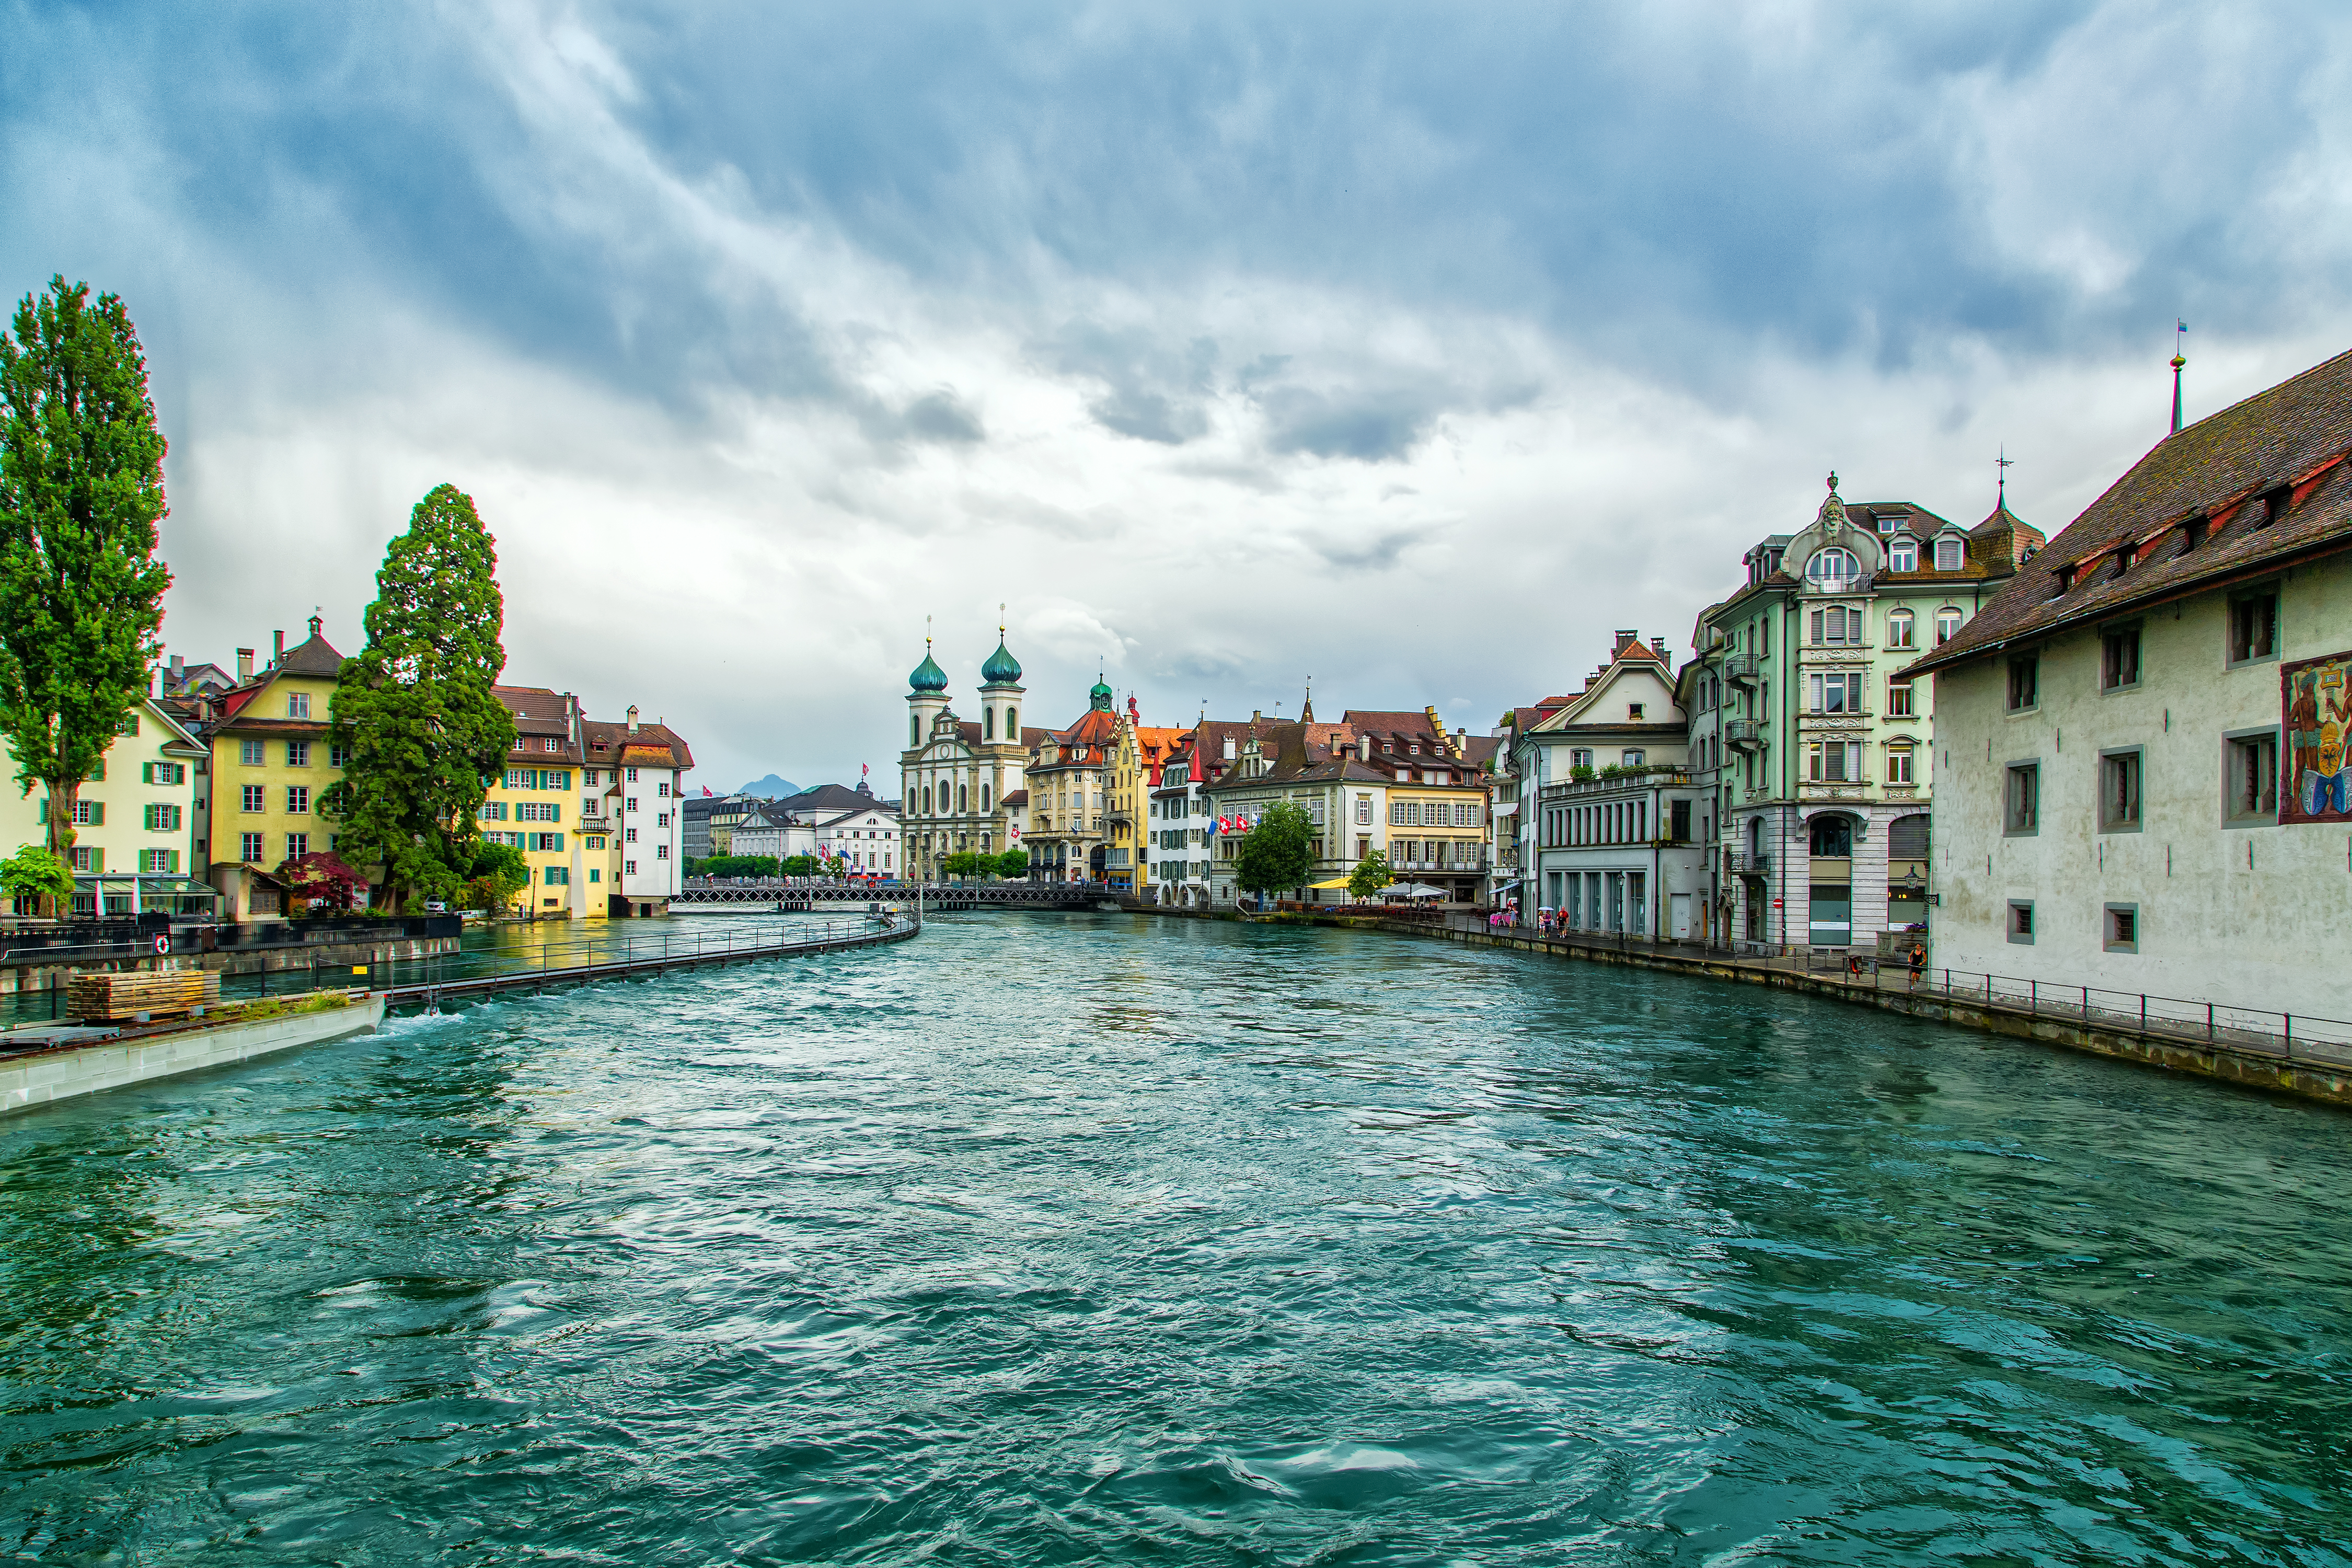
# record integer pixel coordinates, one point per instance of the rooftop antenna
(2002, 465)
(2180, 331)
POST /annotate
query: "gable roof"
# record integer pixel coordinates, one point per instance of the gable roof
(2231, 471)
(312, 656)
(651, 745)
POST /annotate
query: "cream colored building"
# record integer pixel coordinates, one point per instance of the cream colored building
(2141, 740)
(137, 821)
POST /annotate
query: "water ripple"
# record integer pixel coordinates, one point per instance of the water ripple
(1088, 1238)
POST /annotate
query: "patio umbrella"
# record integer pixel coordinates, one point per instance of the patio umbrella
(1413, 890)
(1334, 882)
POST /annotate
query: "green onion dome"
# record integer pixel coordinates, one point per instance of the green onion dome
(1100, 696)
(929, 675)
(1002, 668)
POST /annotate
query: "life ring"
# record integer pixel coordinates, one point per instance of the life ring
(163, 944)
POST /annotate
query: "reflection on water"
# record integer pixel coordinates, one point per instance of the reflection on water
(1086, 1238)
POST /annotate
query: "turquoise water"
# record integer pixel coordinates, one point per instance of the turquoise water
(1095, 1239)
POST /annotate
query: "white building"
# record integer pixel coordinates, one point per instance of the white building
(644, 768)
(958, 777)
(2142, 736)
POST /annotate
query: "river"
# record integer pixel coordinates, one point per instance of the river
(1094, 1238)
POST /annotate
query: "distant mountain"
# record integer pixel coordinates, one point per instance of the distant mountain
(771, 788)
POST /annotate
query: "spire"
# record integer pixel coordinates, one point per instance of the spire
(927, 677)
(2178, 360)
(1307, 709)
(2002, 465)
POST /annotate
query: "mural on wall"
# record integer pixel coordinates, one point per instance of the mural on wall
(2317, 694)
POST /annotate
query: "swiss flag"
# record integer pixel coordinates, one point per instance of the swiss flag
(706, 789)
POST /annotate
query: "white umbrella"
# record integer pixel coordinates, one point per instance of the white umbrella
(1413, 890)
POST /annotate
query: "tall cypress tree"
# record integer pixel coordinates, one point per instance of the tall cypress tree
(81, 490)
(426, 733)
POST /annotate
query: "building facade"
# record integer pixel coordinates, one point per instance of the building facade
(1068, 784)
(138, 820)
(2144, 735)
(271, 765)
(1826, 782)
(641, 769)
(956, 776)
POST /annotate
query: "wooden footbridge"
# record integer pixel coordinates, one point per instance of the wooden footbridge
(742, 898)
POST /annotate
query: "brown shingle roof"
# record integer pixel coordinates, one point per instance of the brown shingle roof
(2292, 437)
(616, 738)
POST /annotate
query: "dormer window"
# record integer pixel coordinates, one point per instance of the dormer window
(1888, 522)
(1903, 555)
(1948, 554)
(1833, 569)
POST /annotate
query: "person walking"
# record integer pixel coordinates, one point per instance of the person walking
(1918, 963)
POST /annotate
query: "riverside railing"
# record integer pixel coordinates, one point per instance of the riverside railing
(2173, 1020)
(428, 981)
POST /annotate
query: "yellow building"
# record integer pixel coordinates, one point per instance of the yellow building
(137, 820)
(551, 804)
(1137, 754)
(270, 765)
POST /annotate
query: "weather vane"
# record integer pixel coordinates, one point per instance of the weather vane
(2002, 465)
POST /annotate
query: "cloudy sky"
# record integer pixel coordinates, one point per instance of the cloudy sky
(1413, 349)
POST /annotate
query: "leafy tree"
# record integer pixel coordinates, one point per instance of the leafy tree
(1012, 864)
(800, 866)
(34, 872)
(81, 488)
(1278, 853)
(740, 866)
(500, 871)
(1370, 875)
(426, 734)
(323, 878)
(961, 863)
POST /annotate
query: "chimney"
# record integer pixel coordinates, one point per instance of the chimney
(633, 718)
(277, 649)
(243, 665)
(1659, 645)
(1625, 639)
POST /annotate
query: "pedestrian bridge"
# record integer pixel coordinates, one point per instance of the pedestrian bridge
(745, 897)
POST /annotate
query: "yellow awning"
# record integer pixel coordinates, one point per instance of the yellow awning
(1334, 882)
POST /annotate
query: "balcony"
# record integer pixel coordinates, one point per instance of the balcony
(594, 824)
(1742, 668)
(1743, 734)
(1747, 862)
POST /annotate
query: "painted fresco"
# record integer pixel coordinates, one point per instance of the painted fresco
(2317, 693)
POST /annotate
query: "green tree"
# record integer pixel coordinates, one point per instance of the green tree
(500, 871)
(1012, 864)
(33, 872)
(1370, 875)
(800, 866)
(962, 863)
(425, 732)
(1278, 853)
(81, 490)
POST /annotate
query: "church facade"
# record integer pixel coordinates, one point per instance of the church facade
(962, 782)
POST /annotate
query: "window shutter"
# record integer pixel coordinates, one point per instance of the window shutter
(98, 814)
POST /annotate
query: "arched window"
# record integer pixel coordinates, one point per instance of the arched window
(1012, 724)
(1833, 569)
(927, 800)
(1833, 837)
(963, 799)
(984, 797)
(1948, 554)
(1899, 629)
(1948, 625)
(988, 723)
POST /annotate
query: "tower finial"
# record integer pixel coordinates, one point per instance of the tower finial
(2180, 329)
(1833, 481)
(2002, 465)
(999, 621)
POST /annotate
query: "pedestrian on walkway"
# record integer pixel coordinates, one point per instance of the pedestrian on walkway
(1918, 963)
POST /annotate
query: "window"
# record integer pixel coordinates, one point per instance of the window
(1833, 569)
(1948, 625)
(547, 842)
(86, 858)
(1948, 554)
(2119, 792)
(255, 797)
(628, 868)
(1834, 762)
(160, 861)
(661, 819)
(297, 846)
(632, 803)
(2249, 778)
(628, 835)
(1899, 627)
(2024, 679)
(1363, 811)
(2254, 626)
(595, 874)
(129, 725)
(1837, 693)
(2119, 658)
(1837, 627)
(557, 876)
(1580, 758)
(298, 799)
(2020, 920)
(661, 851)
(2021, 799)
(248, 752)
(1898, 701)
(1633, 713)
(1899, 764)
(1630, 759)
(633, 776)
(298, 754)
(2120, 932)
(249, 849)
(1903, 555)
(162, 772)
(298, 705)
(162, 816)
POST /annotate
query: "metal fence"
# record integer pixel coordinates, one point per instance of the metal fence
(2252, 1031)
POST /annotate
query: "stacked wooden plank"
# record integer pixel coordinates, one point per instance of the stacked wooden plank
(158, 993)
